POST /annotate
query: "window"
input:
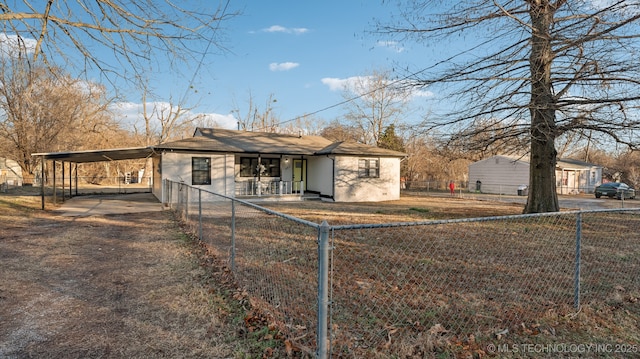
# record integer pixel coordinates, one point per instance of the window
(269, 167)
(200, 170)
(368, 168)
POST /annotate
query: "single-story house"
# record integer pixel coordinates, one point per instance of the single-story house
(10, 173)
(265, 165)
(510, 175)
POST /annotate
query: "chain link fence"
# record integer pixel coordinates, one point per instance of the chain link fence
(272, 256)
(431, 288)
(403, 289)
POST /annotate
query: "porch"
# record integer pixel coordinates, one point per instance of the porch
(273, 190)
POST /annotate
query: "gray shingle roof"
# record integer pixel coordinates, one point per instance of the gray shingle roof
(221, 140)
(357, 149)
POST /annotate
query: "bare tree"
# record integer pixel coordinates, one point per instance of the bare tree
(418, 162)
(483, 138)
(373, 103)
(256, 118)
(118, 38)
(543, 67)
(164, 121)
(45, 110)
(428, 161)
(628, 164)
(337, 131)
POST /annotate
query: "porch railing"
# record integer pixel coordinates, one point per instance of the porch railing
(269, 188)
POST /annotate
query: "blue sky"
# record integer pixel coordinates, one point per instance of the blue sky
(296, 51)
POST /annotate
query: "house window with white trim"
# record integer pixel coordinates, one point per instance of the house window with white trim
(268, 167)
(200, 170)
(368, 168)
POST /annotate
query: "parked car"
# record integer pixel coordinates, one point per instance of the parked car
(618, 190)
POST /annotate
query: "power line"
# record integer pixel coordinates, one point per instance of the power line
(213, 34)
(384, 85)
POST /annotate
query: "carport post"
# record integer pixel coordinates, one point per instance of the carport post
(42, 180)
(76, 178)
(62, 182)
(70, 181)
(55, 200)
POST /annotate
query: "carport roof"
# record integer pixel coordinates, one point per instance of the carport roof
(99, 155)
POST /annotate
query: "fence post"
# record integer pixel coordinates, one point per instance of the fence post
(200, 213)
(576, 288)
(186, 203)
(233, 236)
(323, 290)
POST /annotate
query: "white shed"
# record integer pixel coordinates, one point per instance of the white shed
(499, 174)
(510, 175)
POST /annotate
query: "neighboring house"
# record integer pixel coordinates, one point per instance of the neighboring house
(242, 163)
(573, 176)
(10, 173)
(509, 175)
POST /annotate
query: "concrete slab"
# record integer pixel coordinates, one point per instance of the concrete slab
(97, 205)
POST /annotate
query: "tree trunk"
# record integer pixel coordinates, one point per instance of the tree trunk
(542, 178)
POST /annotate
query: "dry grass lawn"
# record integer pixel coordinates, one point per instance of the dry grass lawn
(135, 286)
(118, 286)
(408, 208)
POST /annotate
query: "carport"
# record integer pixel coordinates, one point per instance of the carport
(75, 157)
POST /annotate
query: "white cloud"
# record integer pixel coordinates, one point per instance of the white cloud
(422, 93)
(392, 45)
(283, 66)
(220, 121)
(130, 114)
(361, 84)
(10, 44)
(336, 84)
(286, 30)
(127, 112)
(628, 8)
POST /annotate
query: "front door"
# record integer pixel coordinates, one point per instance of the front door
(571, 181)
(300, 174)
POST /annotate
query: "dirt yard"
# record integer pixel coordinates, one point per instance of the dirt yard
(115, 286)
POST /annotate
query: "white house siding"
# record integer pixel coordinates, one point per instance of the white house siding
(177, 167)
(499, 174)
(350, 188)
(320, 175)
